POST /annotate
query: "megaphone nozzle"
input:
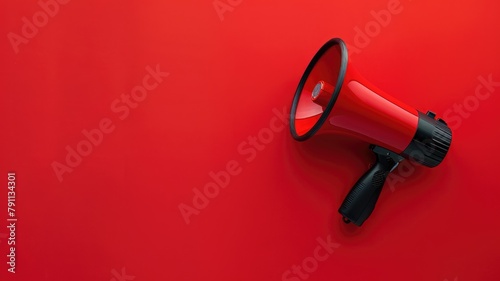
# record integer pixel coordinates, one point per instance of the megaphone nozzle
(322, 93)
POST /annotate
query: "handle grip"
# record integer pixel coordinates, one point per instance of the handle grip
(361, 200)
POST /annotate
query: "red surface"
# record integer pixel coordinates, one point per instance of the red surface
(219, 114)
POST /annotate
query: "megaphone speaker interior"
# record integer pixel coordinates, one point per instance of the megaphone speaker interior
(332, 98)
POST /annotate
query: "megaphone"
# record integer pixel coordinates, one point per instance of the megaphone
(332, 98)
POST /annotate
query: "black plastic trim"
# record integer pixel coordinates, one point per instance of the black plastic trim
(431, 142)
(333, 99)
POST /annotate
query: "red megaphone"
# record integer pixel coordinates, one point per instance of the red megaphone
(332, 98)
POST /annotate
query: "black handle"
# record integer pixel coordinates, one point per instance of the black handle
(361, 200)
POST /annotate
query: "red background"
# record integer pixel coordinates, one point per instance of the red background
(120, 207)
